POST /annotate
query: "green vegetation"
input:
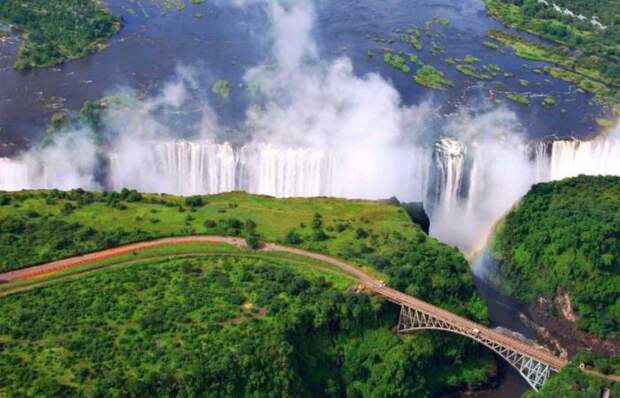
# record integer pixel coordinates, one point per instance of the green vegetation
(396, 61)
(415, 59)
(600, 364)
(57, 30)
(490, 44)
(442, 20)
(563, 238)
(470, 59)
(231, 322)
(573, 383)
(40, 226)
(549, 101)
(58, 120)
(605, 123)
(220, 326)
(430, 77)
(493, 68)
(222, 88)
(471, 71)
(519, 98)
(569, 66)
(524, 82)
(412, 36)
(90, 115)
(584, 84)
(536, 18)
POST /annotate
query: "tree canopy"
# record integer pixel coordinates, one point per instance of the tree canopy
(564, 237)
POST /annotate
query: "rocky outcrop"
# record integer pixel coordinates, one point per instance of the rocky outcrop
(555, 323)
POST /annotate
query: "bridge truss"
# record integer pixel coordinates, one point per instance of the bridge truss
(533, 371)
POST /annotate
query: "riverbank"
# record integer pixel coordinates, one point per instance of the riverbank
(585, 55)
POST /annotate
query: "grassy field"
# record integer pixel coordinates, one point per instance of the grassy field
(304, 265)
(42, 226)
(161, 216)
(213, 319)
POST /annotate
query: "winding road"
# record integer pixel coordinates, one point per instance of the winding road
(454, 323)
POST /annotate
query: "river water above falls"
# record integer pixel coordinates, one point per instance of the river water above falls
(223, 41)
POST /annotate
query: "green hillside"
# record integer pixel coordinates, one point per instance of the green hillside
(235, 322)
(564, 237)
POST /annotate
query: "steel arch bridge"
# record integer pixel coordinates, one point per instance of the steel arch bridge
(534, 370)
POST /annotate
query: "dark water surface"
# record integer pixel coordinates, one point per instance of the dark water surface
(504, 312)
(222, 41)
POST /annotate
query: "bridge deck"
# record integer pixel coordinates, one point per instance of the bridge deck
(400, 298)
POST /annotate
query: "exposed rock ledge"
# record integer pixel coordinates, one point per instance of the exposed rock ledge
(560, 333)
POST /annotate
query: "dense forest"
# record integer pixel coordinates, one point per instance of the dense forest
(219, 326)
(56, 30)
(230, 326)
(564, 237)
(573, 383)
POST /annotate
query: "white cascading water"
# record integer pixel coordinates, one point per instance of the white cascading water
(13, 175)
(571, 158)
(466, 187)
(449, 171)
(182, 167)
(279, 171)
(178, 167)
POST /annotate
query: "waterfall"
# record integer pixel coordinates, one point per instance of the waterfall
(447, 174)
(178, 167)
(192, 168)
(284, 172)
(597, 157)
(13, 175)
(182, 167)
(466, 186)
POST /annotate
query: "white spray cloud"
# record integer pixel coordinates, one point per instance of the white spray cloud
(70, 163)
(497, 172)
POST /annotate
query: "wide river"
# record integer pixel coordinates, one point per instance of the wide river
(222, 41)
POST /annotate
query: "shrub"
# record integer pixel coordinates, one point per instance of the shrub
(293, 238)
(253, 241)
(195, 201)
(361, 233)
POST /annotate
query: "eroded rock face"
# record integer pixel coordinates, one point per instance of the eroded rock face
(563, 304)
(555, 323)
(551, 343)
